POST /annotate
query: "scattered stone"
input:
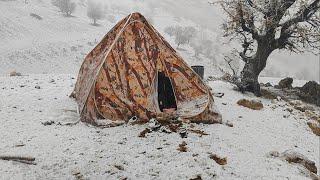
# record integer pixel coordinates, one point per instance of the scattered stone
(274, 154)
(144, 132)
(299, 105)
(310, 92)
(304, 108)
(218, 159)
(226, 77)
(198, 177)
(295, 157)
(286, 116)
(183, 132)
(229, 124)
(119, 167)
(211, 78)
(154, 124)
(289, 110)
(174, 127)
(47, 123)
(183, 147)
(37, 87)
(165, 129)
(77, 175)
(253, 104)
(268, 84)
(14, 73)
(268, 94)
(315, 127)
(312, 115)
(286, 83)
(279, 98)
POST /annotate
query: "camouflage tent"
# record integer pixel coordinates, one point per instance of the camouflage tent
(133, 71)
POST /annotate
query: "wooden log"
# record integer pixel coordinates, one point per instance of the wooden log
(21, 159)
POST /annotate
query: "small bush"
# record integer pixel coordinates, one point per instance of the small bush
(65, 6)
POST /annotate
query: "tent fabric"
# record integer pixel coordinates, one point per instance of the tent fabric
(119, 78)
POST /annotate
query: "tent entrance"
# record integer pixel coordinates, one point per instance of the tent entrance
(166, 98)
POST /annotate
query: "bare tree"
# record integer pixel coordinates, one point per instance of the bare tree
(264, 26)
(65, 6)
(95, 11)
(190, 32)
(201, 44)
(180, 36)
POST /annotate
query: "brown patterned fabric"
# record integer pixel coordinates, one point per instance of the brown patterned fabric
(118, 78)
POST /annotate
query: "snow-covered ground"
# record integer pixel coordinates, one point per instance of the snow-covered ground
(49, 52)
(62, 151)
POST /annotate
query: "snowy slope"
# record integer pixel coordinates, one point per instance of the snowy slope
(62, 151)
(59, 44)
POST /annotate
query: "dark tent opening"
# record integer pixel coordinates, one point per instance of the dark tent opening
(166, 96)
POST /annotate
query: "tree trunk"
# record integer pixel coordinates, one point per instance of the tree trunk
(94, 21)
(253, 67)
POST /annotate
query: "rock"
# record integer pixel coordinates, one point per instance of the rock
(296, 103)
(47, 123)
(15, 73)
(286, 83)
(144, 132)
(165, 129)
(315, 127)
(183, 147)
(274, 154)
(183, 132)
(290, 110)
(252, 104)
(119, 167)
(218, 159)
(154, 124)
(198, 177)
(299, 105)
(268, 94)
(268, 84)
(277, 86)
(226, 77)
(211, 78)
(310, 92)
(229, 124)
(295, 157)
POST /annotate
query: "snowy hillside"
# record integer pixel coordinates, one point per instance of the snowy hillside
(59, 44)
(38, 118)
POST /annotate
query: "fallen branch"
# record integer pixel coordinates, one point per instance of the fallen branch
(21, 159)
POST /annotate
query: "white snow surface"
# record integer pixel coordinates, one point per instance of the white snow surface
(49, 53)
(62, 151)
